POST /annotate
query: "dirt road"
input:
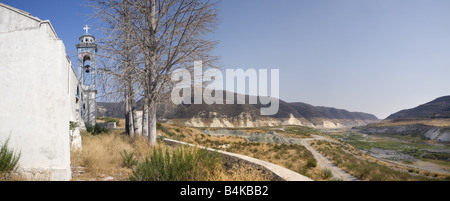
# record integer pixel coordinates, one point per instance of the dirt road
(322, 161)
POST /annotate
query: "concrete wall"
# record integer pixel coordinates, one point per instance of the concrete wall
(90, 105)
(108, 125)
(36, 84)
(75, 105)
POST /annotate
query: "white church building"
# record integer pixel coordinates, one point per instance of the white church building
(41, 93)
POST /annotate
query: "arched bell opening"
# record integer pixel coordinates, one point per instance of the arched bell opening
(87, 68)
(87, 63)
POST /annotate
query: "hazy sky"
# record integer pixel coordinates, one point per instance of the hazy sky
(375, 56)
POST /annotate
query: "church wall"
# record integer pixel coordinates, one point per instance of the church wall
(12, 20)
(36, 83)
(75, 104)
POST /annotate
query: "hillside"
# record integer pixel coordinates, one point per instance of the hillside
(438, 108)
(247, 115)
(429, 121)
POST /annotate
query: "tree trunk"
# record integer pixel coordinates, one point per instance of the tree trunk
(145, 118)
(128, 65)
(151, 20)
(133, 112)
(129, 120)
(127, 115)
(152, 123)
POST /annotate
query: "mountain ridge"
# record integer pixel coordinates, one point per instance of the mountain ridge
(429, 121)
(438, 108)
(248, 115)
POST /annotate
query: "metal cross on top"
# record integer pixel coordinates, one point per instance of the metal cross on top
(87, 29)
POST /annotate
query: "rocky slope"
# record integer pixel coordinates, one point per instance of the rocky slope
(247, 115)
(430, 121)
(438, 108)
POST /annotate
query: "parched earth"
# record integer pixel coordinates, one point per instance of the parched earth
(394, 157)
(273, 137)
(322, 161)
(269, 137)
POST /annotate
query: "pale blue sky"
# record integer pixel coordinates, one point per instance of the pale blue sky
(375, 56)
(371, 56)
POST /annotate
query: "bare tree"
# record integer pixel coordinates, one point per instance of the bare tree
(119, 47)
(173, 36)
(170, 34)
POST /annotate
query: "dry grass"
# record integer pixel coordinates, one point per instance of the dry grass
(362, 166)
(293, 157)
(242, 172)
(12, 177)
(101, 159)
(100, 156)
(429, 122)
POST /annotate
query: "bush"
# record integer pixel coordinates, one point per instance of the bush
(97, 129)
(159, 126)
(326, 174)
(8, 159)
(312, 163)
(183, 164)
(73, 125)
(128, 159)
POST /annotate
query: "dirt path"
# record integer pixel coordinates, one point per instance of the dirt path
(322, 161)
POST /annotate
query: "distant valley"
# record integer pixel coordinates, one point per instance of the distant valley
(413, 143)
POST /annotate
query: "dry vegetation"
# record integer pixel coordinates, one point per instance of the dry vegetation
(293, 157)
(368, 168)
(100, 157)
(103, 158)
(403, 122)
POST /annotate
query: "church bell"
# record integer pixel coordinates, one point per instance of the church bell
(88, 68)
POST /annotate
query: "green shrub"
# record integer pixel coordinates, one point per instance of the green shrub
(277, 156)
(97, 129)
(159, 126)
(326, 174)
(312, 163)
(276, 148)
(128, 159)
(8, 159)
(73, 125)
(183, 164)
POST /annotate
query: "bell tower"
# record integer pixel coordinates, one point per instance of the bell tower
(87, 72)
